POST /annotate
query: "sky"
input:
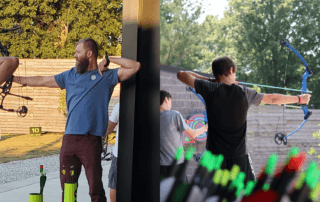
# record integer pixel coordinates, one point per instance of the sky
(213, 7)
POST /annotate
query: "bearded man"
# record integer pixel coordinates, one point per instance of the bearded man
(88, 90)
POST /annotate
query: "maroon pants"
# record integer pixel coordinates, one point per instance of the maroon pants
(78, 150)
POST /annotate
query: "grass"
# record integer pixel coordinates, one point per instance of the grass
(15, 147)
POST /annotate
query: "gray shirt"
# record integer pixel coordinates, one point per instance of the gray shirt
(172, 126)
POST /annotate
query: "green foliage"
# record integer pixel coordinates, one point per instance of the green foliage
(253, 30)
(52, 27)
(312, 151)
(180, 34)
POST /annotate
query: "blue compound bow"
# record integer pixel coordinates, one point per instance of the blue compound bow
(279, 137)
(197, 158)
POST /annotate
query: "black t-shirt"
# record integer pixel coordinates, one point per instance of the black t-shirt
(227, 108)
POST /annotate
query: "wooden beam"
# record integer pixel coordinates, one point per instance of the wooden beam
(139, 124)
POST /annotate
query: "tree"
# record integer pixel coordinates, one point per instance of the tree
(52, 27)
(180, 34)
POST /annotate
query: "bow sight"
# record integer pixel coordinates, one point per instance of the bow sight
(23, 110)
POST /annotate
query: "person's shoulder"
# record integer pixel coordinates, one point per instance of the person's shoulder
(110, 71)
(243, 87)
(174, 112)
(71, 71)
(170, 113)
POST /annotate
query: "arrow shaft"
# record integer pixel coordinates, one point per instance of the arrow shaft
(272, 87)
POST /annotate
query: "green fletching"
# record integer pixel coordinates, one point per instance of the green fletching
(300, 180)
(219, 160)
(217, 176)
(240, 178)
(315, 192)
(211, 164)
(240, 187)
(266, 187)
(205, 158)
(293, 152)
(312, 167)
(234, 172)
(179, 153)
(225, 178)
(189, 153)
(250, 187)
(312, 176)
(271, 164)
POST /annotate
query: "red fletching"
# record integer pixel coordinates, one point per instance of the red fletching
(261, 195)
(296, 163)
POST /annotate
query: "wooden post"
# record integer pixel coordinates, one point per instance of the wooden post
(139, 125)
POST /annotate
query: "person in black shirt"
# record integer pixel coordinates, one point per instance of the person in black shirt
(227, 105)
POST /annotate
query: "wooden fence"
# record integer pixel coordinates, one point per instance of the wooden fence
(265, 121)
(43, 110)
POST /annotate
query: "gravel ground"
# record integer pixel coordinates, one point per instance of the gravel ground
(19, 170)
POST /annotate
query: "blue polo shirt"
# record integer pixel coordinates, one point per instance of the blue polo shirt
(87, 97)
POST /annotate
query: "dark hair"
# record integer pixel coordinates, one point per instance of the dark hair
(221, 66)
(90, 44)
(164, 94)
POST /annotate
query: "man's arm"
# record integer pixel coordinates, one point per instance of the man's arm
(285, 99)
(111, 127)
(195, 133)
(188, 77)
(36, 81)
(8, 66)
(127, 69)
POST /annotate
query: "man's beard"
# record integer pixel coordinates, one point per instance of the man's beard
(82, 66)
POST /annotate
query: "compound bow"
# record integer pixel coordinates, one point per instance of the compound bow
(279, 137)
(197, 158)
(23, 110)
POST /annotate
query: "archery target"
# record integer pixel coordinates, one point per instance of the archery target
(195, 122)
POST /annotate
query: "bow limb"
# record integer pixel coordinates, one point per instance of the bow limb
(199, 96)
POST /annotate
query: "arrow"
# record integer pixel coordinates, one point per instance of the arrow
(272, 87)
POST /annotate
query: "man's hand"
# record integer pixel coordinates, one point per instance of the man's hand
(305, 98)
(101, 66)
(105, 139)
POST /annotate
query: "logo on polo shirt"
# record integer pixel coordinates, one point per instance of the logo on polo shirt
(93, 77)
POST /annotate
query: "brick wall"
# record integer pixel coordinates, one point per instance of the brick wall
(183, 100)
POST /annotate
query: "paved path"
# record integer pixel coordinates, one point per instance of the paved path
(19, 191)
